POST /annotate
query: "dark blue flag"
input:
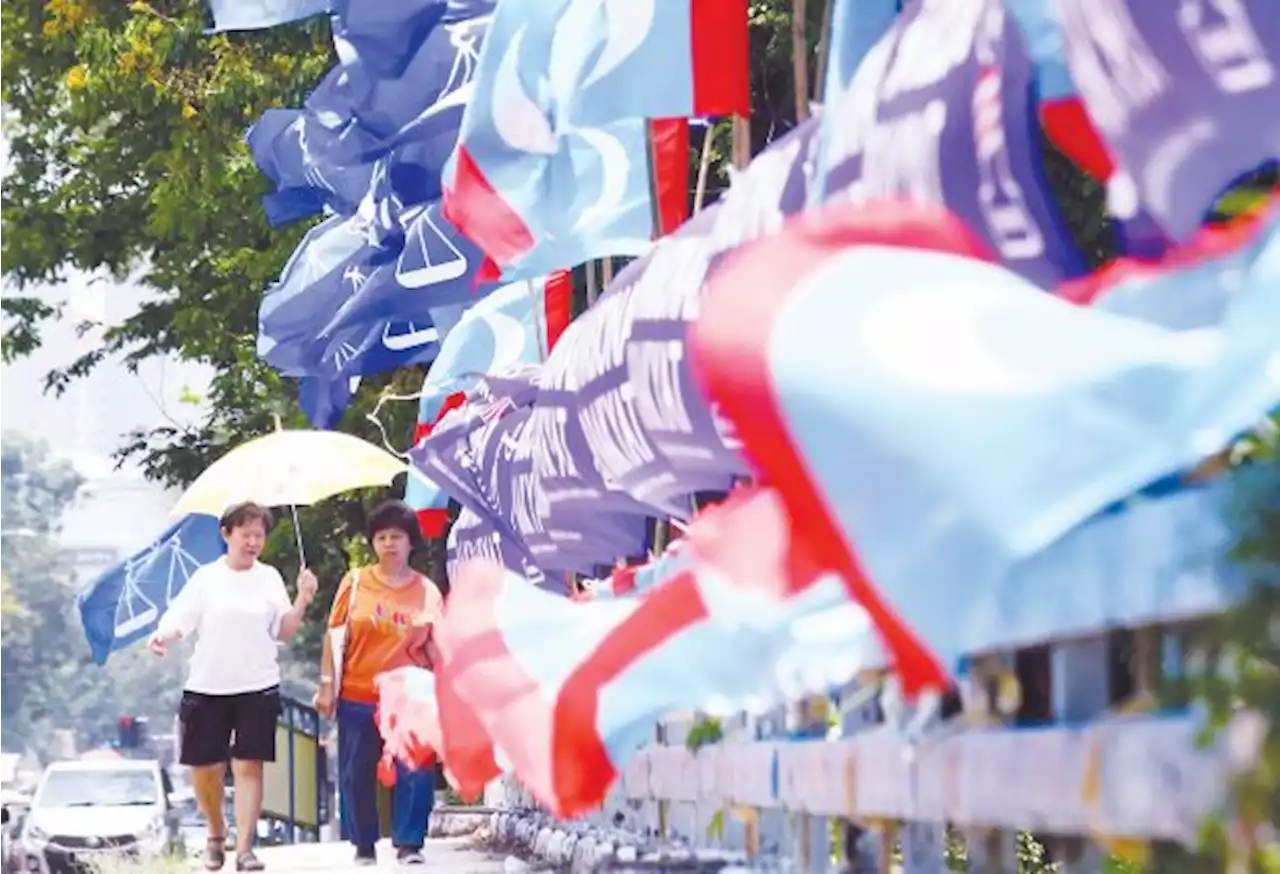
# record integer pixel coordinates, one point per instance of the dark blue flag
(125, 603)
(353, 278)
(386, 117)
(327, 387)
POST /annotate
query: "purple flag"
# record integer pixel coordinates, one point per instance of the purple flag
(1185, 93)
(941, 111)
(596, 401)
(556, 542)
(474, 537)
(693, 449)
(446, 459)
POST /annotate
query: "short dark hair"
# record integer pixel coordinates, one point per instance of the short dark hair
(241, 514)
(393, 514)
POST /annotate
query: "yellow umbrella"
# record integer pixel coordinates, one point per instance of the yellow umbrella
(288, 467)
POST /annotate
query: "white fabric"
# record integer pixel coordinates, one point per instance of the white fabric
(235, 616)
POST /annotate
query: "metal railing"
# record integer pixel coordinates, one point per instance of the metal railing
(297, 795)
(1081, 762)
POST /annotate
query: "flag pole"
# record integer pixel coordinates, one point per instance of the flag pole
(593, 292)
(704, 169)
(800, 58)
(824, 52)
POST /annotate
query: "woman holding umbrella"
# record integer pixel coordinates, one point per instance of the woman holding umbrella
(376, 607)
(238, 609)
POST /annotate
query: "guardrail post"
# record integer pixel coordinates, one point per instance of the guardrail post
(810, 837)
(991, 694)
(1081, 690)
(293, 777)
(660, 738)
(859, 712)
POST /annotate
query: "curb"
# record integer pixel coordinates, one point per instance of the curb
(581, 847)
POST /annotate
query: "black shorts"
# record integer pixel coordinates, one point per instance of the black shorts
(218, 727)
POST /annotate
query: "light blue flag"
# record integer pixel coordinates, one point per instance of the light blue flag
(856, 25)
(260, 14)
(507, 329)
(987, 420)
(125, 603)
(533, 187)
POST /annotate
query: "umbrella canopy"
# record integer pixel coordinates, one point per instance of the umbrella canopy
(288, 467)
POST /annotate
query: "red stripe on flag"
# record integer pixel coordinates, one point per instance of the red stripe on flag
(557, 300)
(720, 49)
(433, 522)
(623, 579)
(730, 342)
(582, 768)
(1068, 126)
(468, 752)
(671, 172)
(476, 208)
(451, 402)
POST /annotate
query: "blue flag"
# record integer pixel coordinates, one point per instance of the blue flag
(125, 603)
(327, 387)
(260, 14)
(384, 120)
(343, 285)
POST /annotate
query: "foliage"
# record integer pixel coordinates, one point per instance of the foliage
(51, 681)
(1237, 665)
(36, 581)
(707, 730)
(127, 158)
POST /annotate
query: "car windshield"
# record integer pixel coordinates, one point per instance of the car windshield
(99, 788)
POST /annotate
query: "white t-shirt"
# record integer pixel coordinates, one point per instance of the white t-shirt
(235, 616)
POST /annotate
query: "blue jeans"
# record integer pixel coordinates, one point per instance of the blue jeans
(359, 749)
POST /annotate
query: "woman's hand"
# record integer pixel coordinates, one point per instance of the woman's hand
(307, 587)
(323, 702)
(158, 643)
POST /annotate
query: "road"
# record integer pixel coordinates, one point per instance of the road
(444, 856)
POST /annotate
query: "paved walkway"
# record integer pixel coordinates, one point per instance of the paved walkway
(444, 856)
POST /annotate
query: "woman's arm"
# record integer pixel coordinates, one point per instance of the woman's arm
(293, 617)
(326, 660)
(182, 617)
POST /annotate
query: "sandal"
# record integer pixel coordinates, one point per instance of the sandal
(247, 861)
(215, 854)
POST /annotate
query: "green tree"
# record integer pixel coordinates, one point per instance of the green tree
(125, 130)
(37, 584)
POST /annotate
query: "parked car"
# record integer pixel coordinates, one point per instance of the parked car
(86, 811)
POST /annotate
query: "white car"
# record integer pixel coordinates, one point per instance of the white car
(88, 810)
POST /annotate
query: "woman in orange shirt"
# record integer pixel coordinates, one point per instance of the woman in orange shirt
(378, 605)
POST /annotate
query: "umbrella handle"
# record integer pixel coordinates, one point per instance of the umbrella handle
(297, 533)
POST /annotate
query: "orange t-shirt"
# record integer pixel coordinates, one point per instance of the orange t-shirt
(380, 618)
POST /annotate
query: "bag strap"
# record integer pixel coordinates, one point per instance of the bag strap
(346, 625)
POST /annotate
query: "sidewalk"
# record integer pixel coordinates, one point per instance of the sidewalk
(444, 856)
